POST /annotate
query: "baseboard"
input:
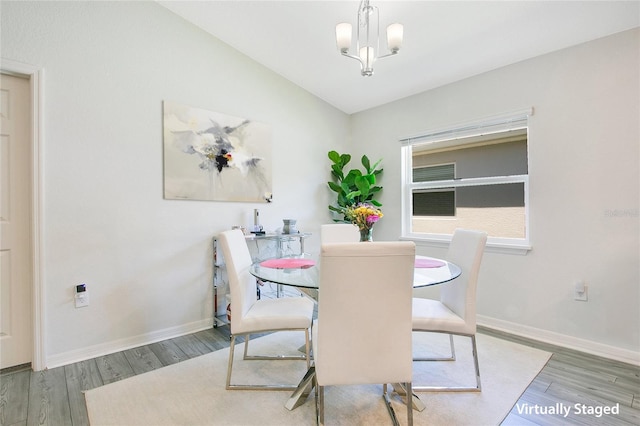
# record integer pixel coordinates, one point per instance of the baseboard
(582, 345)
(562, 340)
(114, 346)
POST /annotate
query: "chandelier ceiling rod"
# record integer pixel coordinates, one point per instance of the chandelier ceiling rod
(368, 38)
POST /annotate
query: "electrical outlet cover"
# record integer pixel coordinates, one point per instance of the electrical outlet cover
(582, 296)
(82, 300)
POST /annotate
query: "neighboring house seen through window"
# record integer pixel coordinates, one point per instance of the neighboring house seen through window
(473, 177)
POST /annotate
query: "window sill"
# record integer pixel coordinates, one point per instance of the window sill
(492, 247)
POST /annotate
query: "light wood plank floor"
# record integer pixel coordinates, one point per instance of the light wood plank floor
(54, 397)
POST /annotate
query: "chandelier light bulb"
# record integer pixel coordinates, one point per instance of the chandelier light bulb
(343, 37)
(394, 37)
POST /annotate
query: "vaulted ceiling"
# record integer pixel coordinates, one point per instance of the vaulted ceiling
(444, 41)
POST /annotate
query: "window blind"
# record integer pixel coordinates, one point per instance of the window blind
(512, 121)
(433, 173)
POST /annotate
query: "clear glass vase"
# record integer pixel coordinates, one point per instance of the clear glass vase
(366, 235)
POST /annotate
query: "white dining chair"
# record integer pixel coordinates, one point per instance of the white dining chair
(363, 331)
(339, 233)
(250, 315)
(455, 312)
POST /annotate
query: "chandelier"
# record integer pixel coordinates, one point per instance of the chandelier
(368, 38)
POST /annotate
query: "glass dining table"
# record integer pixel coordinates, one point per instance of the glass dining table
(303, 272)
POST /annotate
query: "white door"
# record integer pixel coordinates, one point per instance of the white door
(15, 210)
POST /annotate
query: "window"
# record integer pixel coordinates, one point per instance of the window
(473, 176)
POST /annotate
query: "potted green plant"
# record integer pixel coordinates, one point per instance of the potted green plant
(355, 186)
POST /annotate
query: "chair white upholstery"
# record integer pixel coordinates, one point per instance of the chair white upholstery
(339, 233)
(363, 331)
(455, 312)
(250, 315)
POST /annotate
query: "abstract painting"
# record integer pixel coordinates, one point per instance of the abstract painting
(215, 157)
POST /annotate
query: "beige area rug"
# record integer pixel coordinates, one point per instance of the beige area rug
(193, 392)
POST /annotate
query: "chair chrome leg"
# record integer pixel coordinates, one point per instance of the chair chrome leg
(282, 387)
(247, 337)
(316, 400)
(453, 349)
(320, 405)
(232, 346)
(307, 347)
(475, 360)
(306, 357)
(450, 358)
(477, 388)
(387, 403)
(409, 389)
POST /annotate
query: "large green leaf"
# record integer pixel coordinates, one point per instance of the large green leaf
(336, 171)
(352, 195)
(334, 186)
(366, 163)
(362, 183)
(375, 166)
(350, 178)
(334, 156)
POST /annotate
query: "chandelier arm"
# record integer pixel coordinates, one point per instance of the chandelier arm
(388, 54)
(357, 58)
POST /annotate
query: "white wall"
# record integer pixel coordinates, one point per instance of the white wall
(584, 182)
(107, 68)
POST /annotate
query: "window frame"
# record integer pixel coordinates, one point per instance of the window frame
(457, 136)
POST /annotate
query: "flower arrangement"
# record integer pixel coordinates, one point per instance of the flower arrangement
(364, 216)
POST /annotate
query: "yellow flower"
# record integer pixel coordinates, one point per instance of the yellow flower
(363, 215)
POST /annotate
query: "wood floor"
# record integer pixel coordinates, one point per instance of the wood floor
(54, 397)
(583, 384)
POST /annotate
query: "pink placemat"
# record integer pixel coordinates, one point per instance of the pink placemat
(429, 263)
(288, 263)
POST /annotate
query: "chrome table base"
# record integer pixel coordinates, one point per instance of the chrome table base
(305, 387)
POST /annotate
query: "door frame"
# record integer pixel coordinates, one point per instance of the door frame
(35, 75)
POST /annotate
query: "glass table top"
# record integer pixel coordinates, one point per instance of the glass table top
(309, 277)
